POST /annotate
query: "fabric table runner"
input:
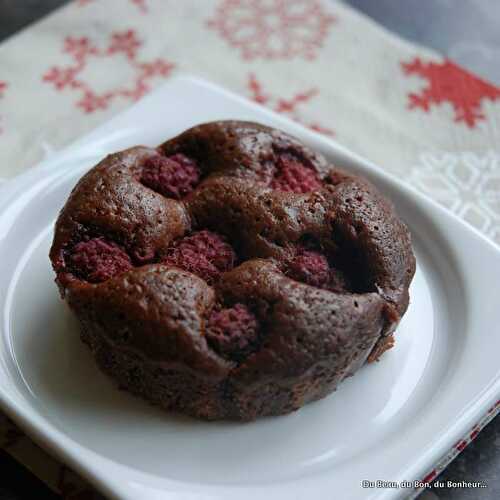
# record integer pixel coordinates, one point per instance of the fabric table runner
(419, 116)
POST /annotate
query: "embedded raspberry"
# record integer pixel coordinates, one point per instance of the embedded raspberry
(204, 253)
(310, 267)
(173, 176)
(292, 175)
(98, 260)
(233, 332)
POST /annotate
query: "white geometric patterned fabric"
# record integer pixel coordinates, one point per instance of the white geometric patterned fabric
(466, 183)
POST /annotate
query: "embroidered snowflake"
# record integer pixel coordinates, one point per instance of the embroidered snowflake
(273, 29)
(140, 4)
(466, 183)
(289, 107)
(447, 82)
(123, 48)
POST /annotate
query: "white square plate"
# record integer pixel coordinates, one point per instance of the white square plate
(392, 421)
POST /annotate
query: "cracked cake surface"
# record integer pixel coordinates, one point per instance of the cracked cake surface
(231, 272)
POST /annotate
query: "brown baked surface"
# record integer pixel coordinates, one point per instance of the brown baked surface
(231, 272)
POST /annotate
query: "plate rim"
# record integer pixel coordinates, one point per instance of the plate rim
(64, 447)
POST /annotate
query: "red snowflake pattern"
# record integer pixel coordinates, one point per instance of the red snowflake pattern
(447, 82)
(3, 88)
(273, 29)
(140, 4)
(79, 48)
(125, 42)
(289, 106)
(84, 53)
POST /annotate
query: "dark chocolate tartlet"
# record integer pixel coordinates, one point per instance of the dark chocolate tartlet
(231, 272)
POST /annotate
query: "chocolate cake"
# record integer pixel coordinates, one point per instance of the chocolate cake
(231, 272)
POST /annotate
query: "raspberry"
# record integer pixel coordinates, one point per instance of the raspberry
(173, 176)
(97, 260)
(310, 267)
(204, 253)
(294, 176)
(233, 332)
